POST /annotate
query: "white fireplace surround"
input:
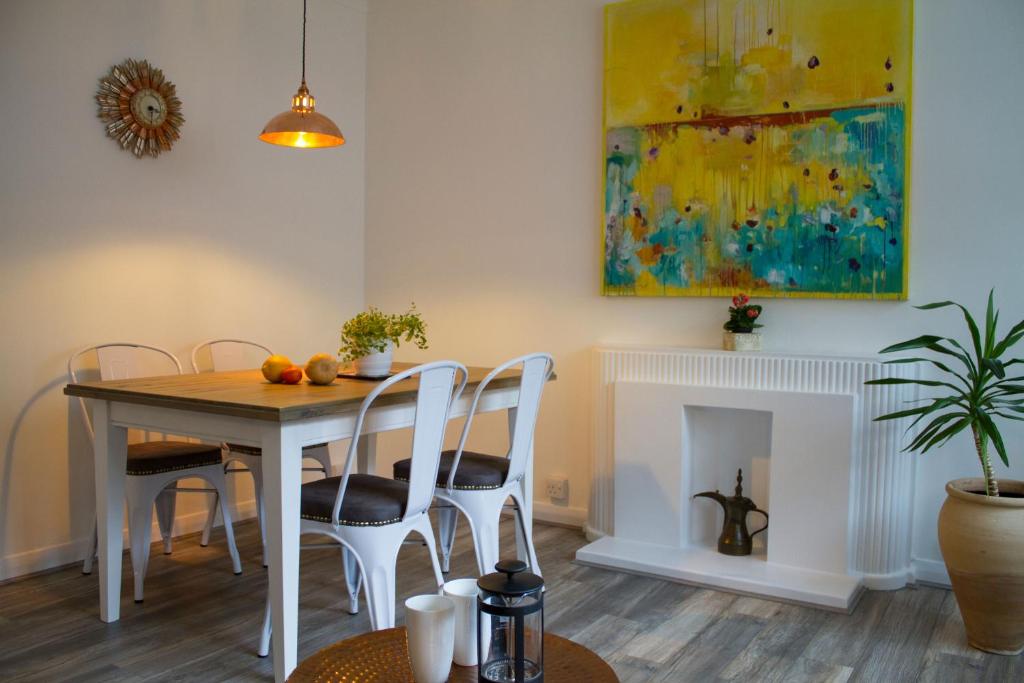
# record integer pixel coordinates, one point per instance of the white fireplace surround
(838, 489)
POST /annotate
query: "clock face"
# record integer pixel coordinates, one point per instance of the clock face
(139, 108)
(149, 108)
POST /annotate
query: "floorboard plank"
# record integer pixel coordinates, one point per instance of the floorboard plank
(199, 622)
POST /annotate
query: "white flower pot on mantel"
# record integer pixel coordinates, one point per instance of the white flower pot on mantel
(741, 341)
(376, 364)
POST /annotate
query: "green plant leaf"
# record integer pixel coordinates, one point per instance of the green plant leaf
(1003, 388)
(971, 325)
(911, 412)
(994, 366)
(941, 437)
(905, 380)
(921, 342)
(963, 355)
(989, 427)
(990, 323)
(932, 428)
(940, 366)
(1015, 334)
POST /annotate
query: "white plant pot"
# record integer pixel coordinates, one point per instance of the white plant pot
(741, 341)
(376, 364)
(430, 624)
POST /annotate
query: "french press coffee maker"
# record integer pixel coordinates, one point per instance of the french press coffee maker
(510, 625)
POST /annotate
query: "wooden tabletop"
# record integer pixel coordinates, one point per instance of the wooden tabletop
(244, 393)
(383, 657)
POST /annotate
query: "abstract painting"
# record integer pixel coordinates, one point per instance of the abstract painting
(757, 146)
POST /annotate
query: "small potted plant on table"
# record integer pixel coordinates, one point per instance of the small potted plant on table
(369, 339)
(739, 329)
(981, 524)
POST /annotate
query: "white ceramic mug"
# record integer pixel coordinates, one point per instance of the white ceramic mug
(463, 593)
(430, 623)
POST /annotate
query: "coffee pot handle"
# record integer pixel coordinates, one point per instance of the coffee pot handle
(755, 533)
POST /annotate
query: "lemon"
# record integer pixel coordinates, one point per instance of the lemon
(274, 366)
(322, 368)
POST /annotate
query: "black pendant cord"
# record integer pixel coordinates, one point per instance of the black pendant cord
(303, 41)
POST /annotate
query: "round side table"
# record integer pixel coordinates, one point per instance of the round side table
(382, 657)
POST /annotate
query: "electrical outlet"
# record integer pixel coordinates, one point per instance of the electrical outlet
(558, 488)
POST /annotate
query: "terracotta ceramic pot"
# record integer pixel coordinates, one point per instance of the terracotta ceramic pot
(982, 541)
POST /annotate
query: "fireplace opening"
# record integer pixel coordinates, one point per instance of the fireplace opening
(717, 443)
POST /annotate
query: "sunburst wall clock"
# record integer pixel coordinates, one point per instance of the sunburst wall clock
(140, 108)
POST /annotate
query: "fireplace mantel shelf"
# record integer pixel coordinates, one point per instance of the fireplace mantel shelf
(817, 405)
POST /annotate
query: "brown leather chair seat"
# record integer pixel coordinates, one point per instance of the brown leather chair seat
(476, 470)
(155, 457)
(256, 450)
(369, 500)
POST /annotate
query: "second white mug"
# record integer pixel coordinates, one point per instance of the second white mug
(463, 593)
(430, 623)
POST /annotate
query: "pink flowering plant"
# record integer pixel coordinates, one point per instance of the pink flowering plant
(743, 315)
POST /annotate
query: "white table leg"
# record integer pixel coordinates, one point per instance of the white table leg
(366, 454)
(111, 456)
(282, 481)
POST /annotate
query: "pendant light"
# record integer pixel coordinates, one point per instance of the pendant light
(301, 126)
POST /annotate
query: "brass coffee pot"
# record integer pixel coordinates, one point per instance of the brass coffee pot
(735, 538)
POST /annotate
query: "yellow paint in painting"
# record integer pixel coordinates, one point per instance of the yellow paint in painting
(729, 178)
(736, 57)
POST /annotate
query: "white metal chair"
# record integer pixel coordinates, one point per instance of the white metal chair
(154, 467)
(371, 515)
(477, 484)
(238, 354)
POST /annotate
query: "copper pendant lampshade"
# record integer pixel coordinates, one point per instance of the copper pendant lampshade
(301, 126)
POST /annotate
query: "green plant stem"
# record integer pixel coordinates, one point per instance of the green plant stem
(981, 443)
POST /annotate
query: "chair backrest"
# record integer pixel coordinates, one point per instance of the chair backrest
(120, 360)
(434, 400)
(536, 369)
(228, 354)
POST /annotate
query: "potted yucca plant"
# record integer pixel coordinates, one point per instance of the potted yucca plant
(369, 339)
(981, 525)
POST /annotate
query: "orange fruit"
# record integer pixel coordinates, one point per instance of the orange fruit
(274, 366)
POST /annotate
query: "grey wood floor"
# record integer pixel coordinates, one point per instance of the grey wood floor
(200, 623)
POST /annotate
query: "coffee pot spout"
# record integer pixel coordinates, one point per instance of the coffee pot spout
(715, 496)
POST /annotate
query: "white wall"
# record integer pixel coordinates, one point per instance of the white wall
(223, 235)
(483, 183)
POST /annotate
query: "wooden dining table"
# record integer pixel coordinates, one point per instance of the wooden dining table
(241, 407)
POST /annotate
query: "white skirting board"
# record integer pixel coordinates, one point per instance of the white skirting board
(932, 572)
(559, 515)
(41, 559)
(706, 567)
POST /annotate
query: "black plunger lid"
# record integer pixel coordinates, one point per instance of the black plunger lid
(510, 579)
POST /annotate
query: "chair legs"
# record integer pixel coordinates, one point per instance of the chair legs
(447, 518)
(483, 512)
(482, 509)
(217, 480)
(526, 530)
(91, 552)
(145, 492)
(370, 554)
(254, 465)
(140, 526)
(166, 503)
(353, 579)
(211, 518)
